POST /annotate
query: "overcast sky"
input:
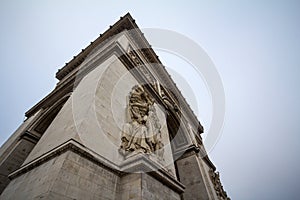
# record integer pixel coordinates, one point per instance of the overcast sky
(254, 45)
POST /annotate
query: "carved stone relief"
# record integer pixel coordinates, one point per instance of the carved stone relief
(215, 178)
(142, 132)
(141, 66)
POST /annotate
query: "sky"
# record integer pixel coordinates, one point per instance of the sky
(254, 45)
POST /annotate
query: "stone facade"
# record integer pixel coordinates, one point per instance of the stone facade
(115, 127)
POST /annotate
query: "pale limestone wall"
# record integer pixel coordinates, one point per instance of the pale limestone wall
(14, 160)
(80, 178)
(130, 187)
(68, 176)
(194, 174)
(78, 118)
(9, 144)
(72, 176)
(96, 112)
(35, 183)
(209, 185)
(14, 151)
(143, 186)
(77, 113)
(93, 116)
(101, 135)
(191, 175)
(73, 117)
(110, 102)
(153, 189)
(60, 130)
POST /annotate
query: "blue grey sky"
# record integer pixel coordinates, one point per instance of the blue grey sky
(254, 45)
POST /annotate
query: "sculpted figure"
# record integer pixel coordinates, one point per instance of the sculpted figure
(142, 132)
(215, 178)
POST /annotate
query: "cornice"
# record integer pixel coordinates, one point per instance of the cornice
(70, 145)
(144, 48)
(125, 23)
(141, 162)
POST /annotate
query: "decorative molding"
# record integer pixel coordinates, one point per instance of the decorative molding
(143, 163)
(70, 145)
(29, 137)
(139, 163)
(215, 179)
(125, 23)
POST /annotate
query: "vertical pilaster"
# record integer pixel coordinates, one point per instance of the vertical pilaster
(191, 176)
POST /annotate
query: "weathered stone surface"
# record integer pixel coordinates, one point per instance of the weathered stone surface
(153, 189)
(79, 154)
(143, 186)
(15, 150)
(66, 176)
(36, 182)
(191, 175)
(71, 176)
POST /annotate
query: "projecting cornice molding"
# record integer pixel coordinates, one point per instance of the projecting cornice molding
(143, 49)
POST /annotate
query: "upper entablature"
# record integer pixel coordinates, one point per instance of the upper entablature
(132, 44)
(125, 23)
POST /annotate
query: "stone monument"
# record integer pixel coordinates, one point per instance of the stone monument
(115, 127)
